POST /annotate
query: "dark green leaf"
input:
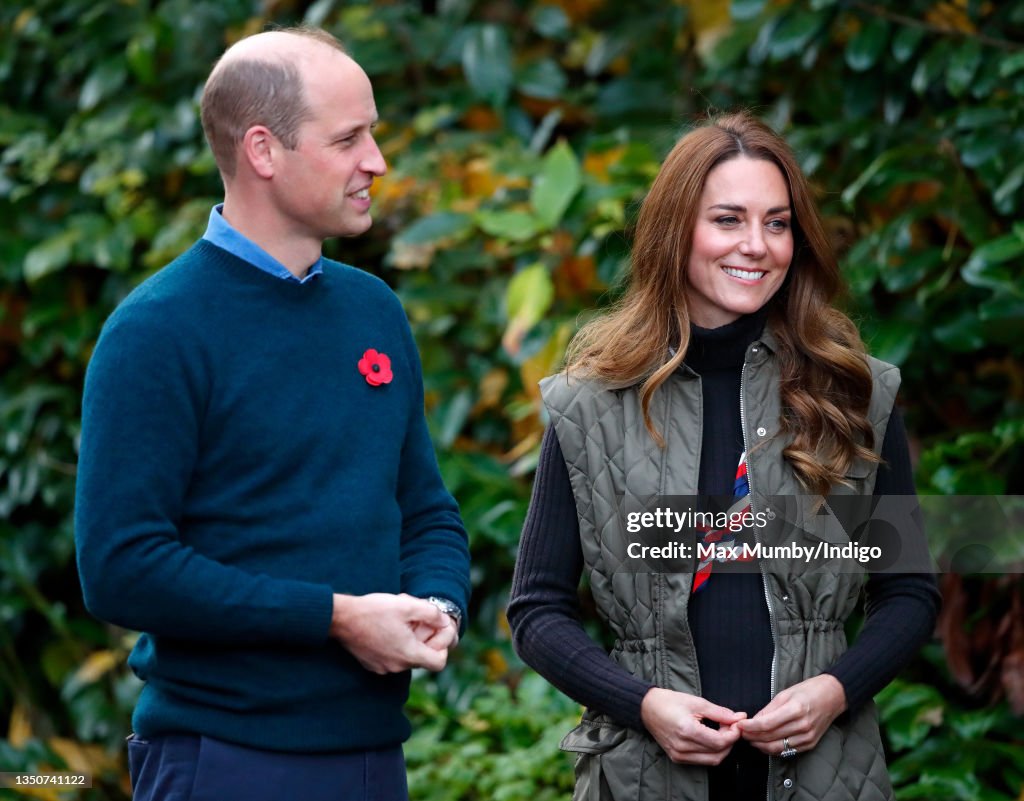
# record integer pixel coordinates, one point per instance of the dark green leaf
(867, 45)
(859, 268)
(893, 340)
(1003, 307)
(962, 335)
(793, 34)
(550, 21)
(1007, 196)
(104, 81)
(987, 265)
(434, 228)
(905, 42)
(1011, 64)
(454, 416)
(605, 49)
(318, 12)
(487, 63)
(860, 96)
(975, 725)
(141, 57)
(981, 147)
(984, 117)
(911, 269)
(931, 67)
(543, 79)
(49, 256)
(626, 96)
(963, 65)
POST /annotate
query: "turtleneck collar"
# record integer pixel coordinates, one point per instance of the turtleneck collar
(723, 348)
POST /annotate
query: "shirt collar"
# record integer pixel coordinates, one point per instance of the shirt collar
(221, 233)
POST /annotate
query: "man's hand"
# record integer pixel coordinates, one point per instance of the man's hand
(800, 714)
(675, 721)
(391, 633)
(442, 639)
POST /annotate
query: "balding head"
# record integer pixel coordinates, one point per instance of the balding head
(260, 81)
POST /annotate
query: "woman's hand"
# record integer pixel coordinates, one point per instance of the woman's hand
(799, 714)
(675, 721)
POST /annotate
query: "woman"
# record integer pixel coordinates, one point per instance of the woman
(724, 682)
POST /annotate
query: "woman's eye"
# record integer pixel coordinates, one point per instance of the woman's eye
(726, 220)
(778, 225)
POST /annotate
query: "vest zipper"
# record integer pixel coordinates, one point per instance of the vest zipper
(760, 564)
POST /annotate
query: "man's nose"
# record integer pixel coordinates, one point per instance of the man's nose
(373, 160)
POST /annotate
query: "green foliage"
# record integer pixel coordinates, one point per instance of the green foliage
(940, 752)
(520, 138)
(490, 742)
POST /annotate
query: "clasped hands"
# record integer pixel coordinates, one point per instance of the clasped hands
(799, 715)
(391, 633)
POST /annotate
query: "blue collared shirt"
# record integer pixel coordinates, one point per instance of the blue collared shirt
(221, 233)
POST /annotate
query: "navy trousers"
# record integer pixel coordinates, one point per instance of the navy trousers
(189, 767)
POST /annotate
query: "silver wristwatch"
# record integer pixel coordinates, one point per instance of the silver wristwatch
(449, 608)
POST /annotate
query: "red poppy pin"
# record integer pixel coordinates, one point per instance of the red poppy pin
(376, 367)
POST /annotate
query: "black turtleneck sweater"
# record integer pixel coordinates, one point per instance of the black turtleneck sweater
(730, 616)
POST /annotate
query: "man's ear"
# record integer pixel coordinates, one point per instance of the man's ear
(258, 150)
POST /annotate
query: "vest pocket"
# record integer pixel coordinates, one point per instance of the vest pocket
(609, 761)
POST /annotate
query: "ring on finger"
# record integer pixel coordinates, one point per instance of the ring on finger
(788, 751)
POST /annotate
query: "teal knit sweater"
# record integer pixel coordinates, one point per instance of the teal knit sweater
(235, 470)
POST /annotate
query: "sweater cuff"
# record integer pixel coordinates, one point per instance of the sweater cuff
(631, 703)
(857, 691)
(306, 620)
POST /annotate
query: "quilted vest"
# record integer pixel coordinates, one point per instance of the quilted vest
(614, 463)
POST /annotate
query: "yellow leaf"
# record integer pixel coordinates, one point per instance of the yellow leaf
(83, 757)
(524, 446)
(545, 362)
(951, 16)
(473, 722)
(496, 664)
(395, 145)
(527, 299)
(19, 730)
(392, 192)
(46, 793)
(480, 181)
(412, 257)
(23, 19)
(512, 339)
(597, 164)
(492, 386)
(579, 10)
(710, 20)
(708, 15)
(97, 665)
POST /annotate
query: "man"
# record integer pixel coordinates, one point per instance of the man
(257, 490)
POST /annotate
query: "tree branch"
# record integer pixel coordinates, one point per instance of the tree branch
(910, 22)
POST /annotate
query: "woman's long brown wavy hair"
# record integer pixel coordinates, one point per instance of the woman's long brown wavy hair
(825, 384)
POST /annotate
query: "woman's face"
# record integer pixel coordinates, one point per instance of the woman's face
(742, 241)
